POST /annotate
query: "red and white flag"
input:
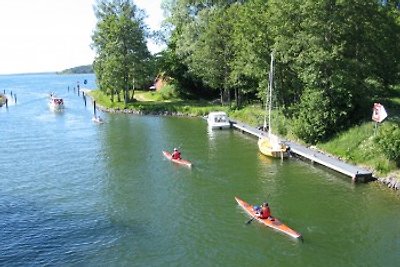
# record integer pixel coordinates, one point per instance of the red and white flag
(378, 113)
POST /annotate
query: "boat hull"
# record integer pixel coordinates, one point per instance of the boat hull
(177, 161)
(56, 107)
(56, 104)
(97, 120)
(220, 126)
(218, 120)
(275, 223)
(275, 151)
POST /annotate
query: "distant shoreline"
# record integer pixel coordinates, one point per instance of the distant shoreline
(28, 73)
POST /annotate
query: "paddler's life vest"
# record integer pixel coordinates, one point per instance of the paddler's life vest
(176, 155)
(265, 212)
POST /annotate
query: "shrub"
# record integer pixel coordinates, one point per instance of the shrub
(388, 139)
(169, 91)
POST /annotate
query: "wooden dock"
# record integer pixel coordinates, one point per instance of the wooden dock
(315, 156)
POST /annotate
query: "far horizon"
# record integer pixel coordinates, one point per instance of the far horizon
(42, 72)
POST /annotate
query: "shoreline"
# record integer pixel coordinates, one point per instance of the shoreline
(391, 181)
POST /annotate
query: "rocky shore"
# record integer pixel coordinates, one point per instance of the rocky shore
(390, 181)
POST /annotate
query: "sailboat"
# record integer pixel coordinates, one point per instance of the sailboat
(271, 145)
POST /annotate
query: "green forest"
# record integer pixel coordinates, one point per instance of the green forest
(77, 70)
(333, 58)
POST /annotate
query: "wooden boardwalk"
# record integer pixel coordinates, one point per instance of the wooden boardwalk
(356, 173)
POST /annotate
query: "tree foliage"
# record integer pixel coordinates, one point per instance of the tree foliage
(334, 57)
(122, 58)
(389, 141)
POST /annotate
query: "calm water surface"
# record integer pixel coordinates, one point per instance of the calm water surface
(77, 193)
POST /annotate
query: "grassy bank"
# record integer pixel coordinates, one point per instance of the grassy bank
(356, 145)
(152, 102)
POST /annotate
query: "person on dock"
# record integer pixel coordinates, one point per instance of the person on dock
(176, 154)
(264, 212)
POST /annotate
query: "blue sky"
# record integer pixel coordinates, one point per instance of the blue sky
(52, 35)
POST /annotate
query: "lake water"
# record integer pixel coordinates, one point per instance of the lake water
(76, 193)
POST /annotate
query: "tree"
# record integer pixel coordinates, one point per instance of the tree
(122, 58)
(340, 52)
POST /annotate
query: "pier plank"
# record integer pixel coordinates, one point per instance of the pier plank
(356, 173)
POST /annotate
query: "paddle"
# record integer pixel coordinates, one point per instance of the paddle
(249, 221)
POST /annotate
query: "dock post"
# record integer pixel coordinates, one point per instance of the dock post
(6, 102)
(15, 98)
(94, 108)
(84, 97)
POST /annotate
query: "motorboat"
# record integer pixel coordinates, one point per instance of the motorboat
(97, 119)
(56, 103)
(218, 120)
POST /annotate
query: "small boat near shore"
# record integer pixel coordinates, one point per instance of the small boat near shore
(97, 119)
(274, 223)
(56, 103)
(271, 145)
(178, 161)
(218, 120)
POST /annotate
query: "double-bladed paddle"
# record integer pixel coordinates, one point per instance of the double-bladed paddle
(249, 221)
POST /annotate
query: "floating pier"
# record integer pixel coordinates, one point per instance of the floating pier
(354, 172)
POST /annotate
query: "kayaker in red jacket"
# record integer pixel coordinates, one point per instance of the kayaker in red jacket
(176, 154)
(265, 212)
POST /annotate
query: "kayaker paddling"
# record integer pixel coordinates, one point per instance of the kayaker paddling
(270, 221)
(264, 212)
(176, 154)
(178, 158)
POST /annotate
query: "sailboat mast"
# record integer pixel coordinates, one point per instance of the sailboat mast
(271, 75)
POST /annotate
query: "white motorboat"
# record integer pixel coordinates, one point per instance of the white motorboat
(218, 120)
(97, 119)
(56, 103)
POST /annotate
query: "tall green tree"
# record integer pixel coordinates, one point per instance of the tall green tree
(122, 58)
(333, 57)
(339, 51)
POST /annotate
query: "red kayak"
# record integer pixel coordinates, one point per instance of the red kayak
(274, 223)
(178, 161)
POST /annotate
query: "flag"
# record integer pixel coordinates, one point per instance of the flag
(379, 113)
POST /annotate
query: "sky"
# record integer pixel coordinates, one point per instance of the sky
(53, 35)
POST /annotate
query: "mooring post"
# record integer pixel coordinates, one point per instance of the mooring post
(94, 108)
(6, 102)
(15, 98)
(84, 97)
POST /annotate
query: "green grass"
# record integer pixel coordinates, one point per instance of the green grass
(357, 146)
(149, 102)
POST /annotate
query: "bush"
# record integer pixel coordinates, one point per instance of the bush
(169, 91)
(314, 118)
(388, 139)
